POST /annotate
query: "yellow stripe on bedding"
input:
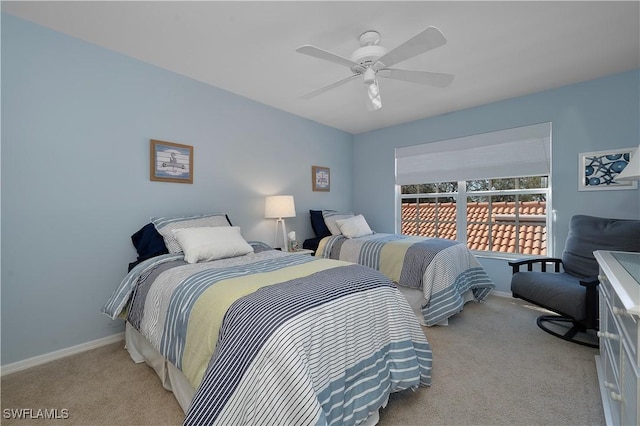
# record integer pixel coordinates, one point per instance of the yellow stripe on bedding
(392, 257)
(208, 311)
(321, 244)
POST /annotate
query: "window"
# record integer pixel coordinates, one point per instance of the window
(506, 215)
(490, 191)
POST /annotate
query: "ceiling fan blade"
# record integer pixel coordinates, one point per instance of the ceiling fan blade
(421, 77)
(423, 42)
(329, 87)
(374, 101)
(316, 52)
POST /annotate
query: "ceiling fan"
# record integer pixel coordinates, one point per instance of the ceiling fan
(372, 61)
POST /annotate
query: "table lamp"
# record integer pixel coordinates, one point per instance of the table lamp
(280, 207)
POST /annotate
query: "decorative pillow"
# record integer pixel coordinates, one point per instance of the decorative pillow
(211, 243)
(354, 227)
(330, 217)
(148, 242)
(318, 225)
(164, 225)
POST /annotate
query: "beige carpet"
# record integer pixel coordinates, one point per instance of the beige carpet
(492, 366)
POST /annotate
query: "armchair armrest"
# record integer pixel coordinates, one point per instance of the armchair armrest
(591, 302)
(590, 282)
(515, 265)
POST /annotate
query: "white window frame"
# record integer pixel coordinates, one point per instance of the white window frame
(461, 213)
(438, 162)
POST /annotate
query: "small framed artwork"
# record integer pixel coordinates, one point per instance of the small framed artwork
(171, 162)
(598, 170)
(320, 178)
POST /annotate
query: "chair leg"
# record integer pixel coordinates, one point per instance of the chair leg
(570, 330)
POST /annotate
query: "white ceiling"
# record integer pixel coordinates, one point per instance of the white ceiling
(497, 50)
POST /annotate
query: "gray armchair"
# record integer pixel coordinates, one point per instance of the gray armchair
(570, 290)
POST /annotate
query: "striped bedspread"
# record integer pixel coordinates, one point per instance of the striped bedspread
(277, 338)
(443, 269)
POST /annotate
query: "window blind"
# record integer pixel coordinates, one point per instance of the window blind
(517, 152)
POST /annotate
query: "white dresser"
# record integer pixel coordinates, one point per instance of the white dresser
(618, 363)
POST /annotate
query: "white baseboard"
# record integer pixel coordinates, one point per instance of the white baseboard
(52, 356)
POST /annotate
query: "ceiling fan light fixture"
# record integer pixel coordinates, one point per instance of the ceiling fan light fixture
(369, 76)
(375, 100)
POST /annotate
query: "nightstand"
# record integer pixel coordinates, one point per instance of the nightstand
(303, 251)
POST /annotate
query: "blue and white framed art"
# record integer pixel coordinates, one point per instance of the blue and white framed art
(320, 179)
(598, 170)
(171, 162)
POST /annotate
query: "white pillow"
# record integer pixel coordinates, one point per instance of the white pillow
(211, 243)
(330, 217)
(354, 227)
(166, 225)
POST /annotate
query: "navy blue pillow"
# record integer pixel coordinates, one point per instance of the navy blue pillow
(148, 242)
(318, 225)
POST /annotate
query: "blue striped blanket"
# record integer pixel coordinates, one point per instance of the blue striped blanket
(443, 269)
(277, 338)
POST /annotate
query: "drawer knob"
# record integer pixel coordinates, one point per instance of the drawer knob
(602, 278)
(616, 396)
(619, 311)
(607, 335)
(609, 385)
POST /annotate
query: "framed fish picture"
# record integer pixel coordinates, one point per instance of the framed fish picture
(599, 170)
(171, 162)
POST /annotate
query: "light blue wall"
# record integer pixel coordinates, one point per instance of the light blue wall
(591, 116)
(76, 124)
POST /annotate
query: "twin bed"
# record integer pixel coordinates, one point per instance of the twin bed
(267, 337)
(438, 276)
(242, 333)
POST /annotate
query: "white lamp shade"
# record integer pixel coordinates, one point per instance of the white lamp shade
(632, 170)
(279, 206)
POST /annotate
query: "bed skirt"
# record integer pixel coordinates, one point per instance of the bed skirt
(172, 379)
(416, 299)
(140, 350)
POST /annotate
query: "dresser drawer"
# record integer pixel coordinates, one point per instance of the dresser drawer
(628, 328)
(627, 324)
(629, 388)
(606, 379)
(610, 353)
(610, 337)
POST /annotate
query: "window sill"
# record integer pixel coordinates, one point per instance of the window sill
(503, 256)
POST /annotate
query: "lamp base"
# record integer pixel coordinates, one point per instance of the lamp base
(285, 246)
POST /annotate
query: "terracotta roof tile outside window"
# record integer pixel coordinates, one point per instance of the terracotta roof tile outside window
(532, 234)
